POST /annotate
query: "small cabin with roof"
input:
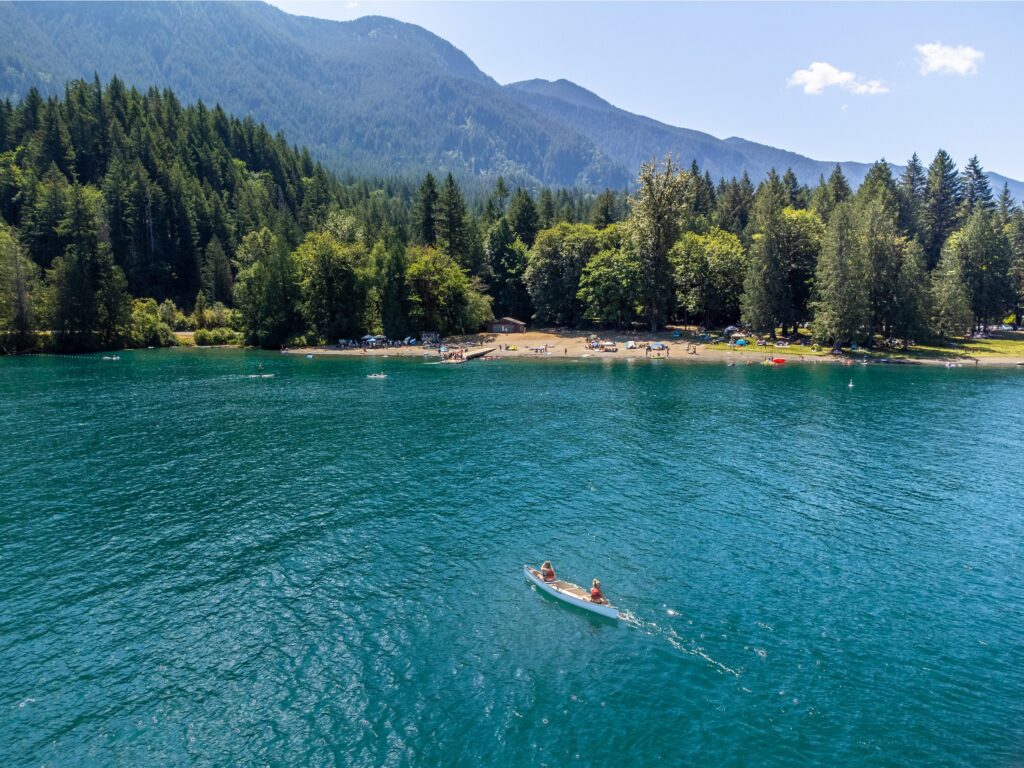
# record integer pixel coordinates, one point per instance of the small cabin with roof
(506, 325)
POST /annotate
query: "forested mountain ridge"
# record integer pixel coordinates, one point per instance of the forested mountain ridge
(369, 97)
(372, 96)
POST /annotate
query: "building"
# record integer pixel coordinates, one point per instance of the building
(506, 325)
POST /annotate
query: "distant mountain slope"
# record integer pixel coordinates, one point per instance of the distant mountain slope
(368, 96)
(631, 139)
(371, 96)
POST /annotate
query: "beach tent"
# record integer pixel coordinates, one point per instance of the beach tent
(741, 342)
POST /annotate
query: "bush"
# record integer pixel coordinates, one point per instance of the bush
(148, 329)
(206, 337)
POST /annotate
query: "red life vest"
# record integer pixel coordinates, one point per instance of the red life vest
(548, 574)
(595, 595)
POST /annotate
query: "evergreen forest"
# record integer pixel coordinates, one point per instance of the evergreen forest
(128, 215)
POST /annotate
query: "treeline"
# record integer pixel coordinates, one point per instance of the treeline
(126, 214)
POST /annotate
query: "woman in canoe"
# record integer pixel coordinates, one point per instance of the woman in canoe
(547, 572)
(596, 595)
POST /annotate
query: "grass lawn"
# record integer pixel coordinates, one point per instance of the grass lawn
(1009, 344)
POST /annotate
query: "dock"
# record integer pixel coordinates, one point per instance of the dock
(470, 356)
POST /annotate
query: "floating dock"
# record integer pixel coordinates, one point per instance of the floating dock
(469, 356)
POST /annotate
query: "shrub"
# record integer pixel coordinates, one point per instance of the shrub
(206, 337)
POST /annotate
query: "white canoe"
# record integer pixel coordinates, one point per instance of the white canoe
(571, 594)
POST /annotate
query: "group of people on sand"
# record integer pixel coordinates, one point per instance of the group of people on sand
(547, 572)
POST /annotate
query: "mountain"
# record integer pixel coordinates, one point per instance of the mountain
(631, 139)
(371, 96)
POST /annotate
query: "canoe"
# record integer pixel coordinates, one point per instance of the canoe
(571, 594)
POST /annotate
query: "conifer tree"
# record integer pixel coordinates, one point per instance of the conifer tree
(983, 252)
(452, 232)
(500, 195)
(912, 187)
(604, 211)
(830, 194)
(425, 214)
(800, 244)
(734, 203)
(1006, 205)
(767, 301)
(910, 310)
(975, 188)
(394, 289)
(794, 192)
(522, 215)
(950, 301)
(881, 252)
(1015, 234)
(546, 209)
(939, 212)
(507, 260)
(842, 312)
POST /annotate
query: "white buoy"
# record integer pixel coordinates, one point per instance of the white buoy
(850, 385)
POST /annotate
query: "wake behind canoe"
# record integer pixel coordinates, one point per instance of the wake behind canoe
(570, 593)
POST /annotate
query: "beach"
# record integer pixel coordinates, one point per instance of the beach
(543, 344)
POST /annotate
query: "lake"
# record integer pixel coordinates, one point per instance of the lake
(202, 568)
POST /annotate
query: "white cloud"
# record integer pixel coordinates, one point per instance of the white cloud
(821, 75)
(948, 59)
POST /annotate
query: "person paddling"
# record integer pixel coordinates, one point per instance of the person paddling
(547, 572)
(596, 595)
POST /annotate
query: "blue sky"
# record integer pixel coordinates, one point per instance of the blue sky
(834, 81)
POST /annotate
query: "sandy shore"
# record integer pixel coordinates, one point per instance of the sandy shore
(559, 344)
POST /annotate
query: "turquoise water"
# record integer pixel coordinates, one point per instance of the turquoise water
(203, 569)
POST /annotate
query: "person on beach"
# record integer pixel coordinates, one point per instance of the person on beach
(595, 593)
(547, 572)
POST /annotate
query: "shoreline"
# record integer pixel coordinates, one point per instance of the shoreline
(562, 345)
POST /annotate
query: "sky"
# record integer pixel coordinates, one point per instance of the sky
(833, 81)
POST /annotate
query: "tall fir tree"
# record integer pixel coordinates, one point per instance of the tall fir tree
(452, 225)
(767, 301)
(912, 187)
(604, 211)
(950, 300)
(940, 209)
(425, 214)
(842, 313)
(975, 189)
(523, 216)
